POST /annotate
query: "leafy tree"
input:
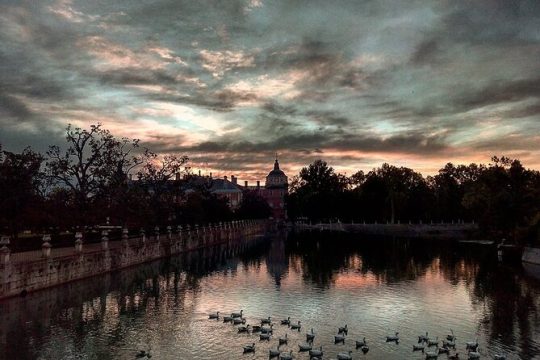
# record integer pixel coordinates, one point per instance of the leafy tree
(20, 187)
(253, 206)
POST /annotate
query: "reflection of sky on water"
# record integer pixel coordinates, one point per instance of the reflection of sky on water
(374, 287)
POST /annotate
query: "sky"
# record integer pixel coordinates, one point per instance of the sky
(230, 83)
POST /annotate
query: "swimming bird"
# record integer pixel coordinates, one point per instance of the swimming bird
(237, 321)
(272, 353)
(283, 340)
(141, 354)
(472, 345)
(237, 315)
(286, 321)
(361, 343)
(365, 349)
(432, 354)
(304, 347)
(418, 348)
(451, 337)
(310, 336)
(227, 319)
(249, 348)
(343, 330)
(214, 316)
(296, 326)
(316, 352)
(499, 357)
(447, 343)
(432, 342)
(266, 321)
(345, 356)
(286, 356)
(339, 339)
(256, 328)
(423, 338)
(444, 350)
(267, 329)
(394, 337)
(474, 355)
(454, 356)
(264, 337)
(243, 329)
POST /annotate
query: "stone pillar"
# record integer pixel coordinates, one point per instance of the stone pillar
(78, 242)
(143, 236)
(4, 250)
(125, 236)
(46, 246)
(105, 240)
(156, 233)
(169, 233)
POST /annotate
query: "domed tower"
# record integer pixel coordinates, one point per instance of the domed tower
(276, 188)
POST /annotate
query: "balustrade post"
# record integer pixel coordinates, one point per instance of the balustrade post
(125, 236)
(4, 250)
(78, 242)
(169, 233)
(142, 234)
(104, 240)
(156, 233)
(46, 246)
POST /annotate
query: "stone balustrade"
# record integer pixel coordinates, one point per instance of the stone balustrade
(24, 272)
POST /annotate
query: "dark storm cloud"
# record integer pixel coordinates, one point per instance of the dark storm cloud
(377, 78)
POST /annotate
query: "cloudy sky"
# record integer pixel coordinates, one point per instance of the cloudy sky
(356, 83)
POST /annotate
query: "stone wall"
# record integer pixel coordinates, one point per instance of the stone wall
(21, 273)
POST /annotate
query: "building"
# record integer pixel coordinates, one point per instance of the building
(275, 190)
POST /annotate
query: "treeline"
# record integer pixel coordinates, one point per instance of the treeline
(85, 183)
(503, 196)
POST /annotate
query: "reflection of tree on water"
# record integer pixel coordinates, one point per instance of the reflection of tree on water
(277, 261)
(116, 301)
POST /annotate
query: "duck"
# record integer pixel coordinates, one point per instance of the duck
(444, 350)
(474, 355)
(305, 347)
(267, 329)
(316, 353)
(266, 321)
(310, 336)
(343, 330)
(432, 342)
(432, 354)
(449, 344)
(283, 340)
(296, 326)
(227, 319)
(286, 356)
(472, 345)
(272, 353)
(264, 337)
(237, 315)
(499, 357)
(141, 354)
(249, 348)
(451, 336)
(365, 349)
(256, 328)
(243, 329)
(214, 316)
(360, 343)
(454, 356)
(237, 321)
(418, 348)
(345, 356)
(286, 321)
(394, 337)
(423, 338)
(339, 339)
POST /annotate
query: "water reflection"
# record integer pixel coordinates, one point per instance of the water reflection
(374, 285)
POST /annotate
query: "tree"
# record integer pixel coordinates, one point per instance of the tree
(21, 179)
(253, 206)
(93, 162)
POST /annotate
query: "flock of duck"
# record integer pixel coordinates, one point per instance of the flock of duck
(430, 347)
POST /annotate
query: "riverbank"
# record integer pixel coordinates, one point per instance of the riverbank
(21, 273)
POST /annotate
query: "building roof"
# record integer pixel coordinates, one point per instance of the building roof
(276, 171)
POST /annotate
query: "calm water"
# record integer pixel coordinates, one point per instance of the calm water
(376, 287)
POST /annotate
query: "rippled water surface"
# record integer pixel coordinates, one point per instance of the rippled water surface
(375, 287)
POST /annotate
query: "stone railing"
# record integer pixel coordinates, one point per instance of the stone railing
(21, 272)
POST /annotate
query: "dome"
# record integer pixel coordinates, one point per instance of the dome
(276, 171)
